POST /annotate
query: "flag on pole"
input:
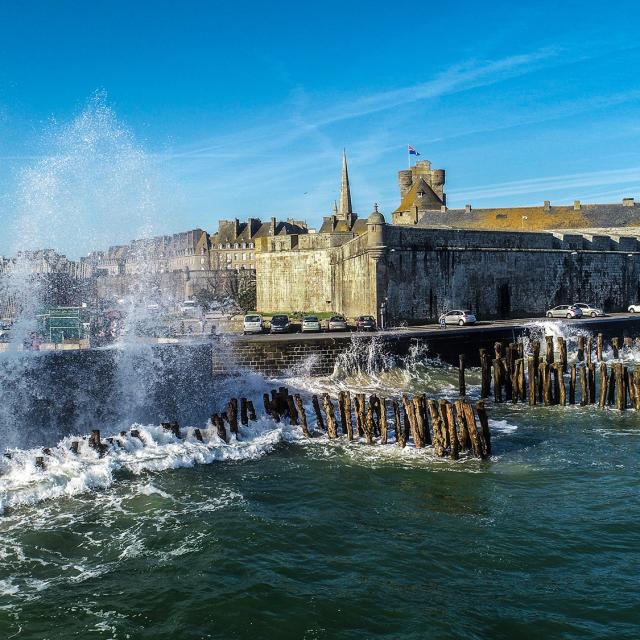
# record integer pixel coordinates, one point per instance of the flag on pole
(412, 151)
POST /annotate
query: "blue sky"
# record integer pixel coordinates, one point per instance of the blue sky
(242, 109)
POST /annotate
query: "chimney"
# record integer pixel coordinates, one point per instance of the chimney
(236, 228)
(272, 227)
(547, 205)
(467, 208)
(254, 225)
(628, 202)
(576, 205)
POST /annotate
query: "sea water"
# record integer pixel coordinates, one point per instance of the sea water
(276, 536)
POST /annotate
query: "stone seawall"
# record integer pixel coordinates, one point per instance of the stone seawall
(317, 355)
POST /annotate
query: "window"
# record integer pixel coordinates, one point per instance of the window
(251, 256)
(244, 256)
(251, 245)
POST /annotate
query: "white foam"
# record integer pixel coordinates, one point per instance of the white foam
(68, 474)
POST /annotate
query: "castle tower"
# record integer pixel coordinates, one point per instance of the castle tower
(345, 211)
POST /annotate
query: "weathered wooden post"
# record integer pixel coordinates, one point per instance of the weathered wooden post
(611, 399)
(627, 342)
(507, 364)
(484, 428)
(532, 381)
(485, 368)
(442, 413)
(268, 407)
(580, 348)
(409, 411)
(198, 435)
(332, 426)
(599, 347)
(316, 408)
(549, 355)
(562, 353)
(636, 388)
(94, 439)
(420, 415)
(591, 379)
(360, 412)
(515, 382)
(589, 349)
(401, 434)
(454, 446)
(232, 412)
(556, 371)
(497, 382)
(629, 387)
(244, 416)
(384, 427)
(615, 346)
(572, 383)
(374, 401)
(293, 412)
(522, 381)
(584, 389)
(604, 383)
(345, 414)
(473, 429)
(368, 424)
(252, 411)
(218, 423)
(497, 347)
(545, 377)
(303, 415)
(562, 395)
(620, 398)
(462, 387)
(463, 431)
(438, 429)
(75, 447)
(40, 462)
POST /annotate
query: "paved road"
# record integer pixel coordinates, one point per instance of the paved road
(435, 330)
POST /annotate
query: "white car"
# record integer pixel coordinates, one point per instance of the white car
(252, 324)
(634, 308)
(588, 309)
(459, 317)
(189, 308)
(337, 323)
(310, 323)
(565, 311)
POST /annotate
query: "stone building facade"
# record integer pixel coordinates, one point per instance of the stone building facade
(415, 269)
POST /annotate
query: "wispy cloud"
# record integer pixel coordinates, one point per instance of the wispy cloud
(550, 184)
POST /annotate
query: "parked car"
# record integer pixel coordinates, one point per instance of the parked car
(189, 308)
(252, 324)
(365, 323)
(588, 309)
(565, 311)
(634, 308)
(337, 323)
(311, 323)
(280, 324)
(459, 317)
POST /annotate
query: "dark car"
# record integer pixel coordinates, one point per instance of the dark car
(365, 323)
(280, 324)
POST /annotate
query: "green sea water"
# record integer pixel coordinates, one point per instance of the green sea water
(319, 539)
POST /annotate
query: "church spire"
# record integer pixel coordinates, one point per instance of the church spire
(345, 210)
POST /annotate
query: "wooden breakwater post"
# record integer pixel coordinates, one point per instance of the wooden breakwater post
(484, 428)
(615, 348)
(221, 431)
(621, 400)
(232, 415)
(507, 372)
(589, 350)
(316, 408)
(244, 413)
(303, 415)
(562, 353)
(584, 387)
(402, 432)
(549, 355)
(332, 424)
(384, 425)
(462, 386)
(572, 383)
(531, 366)
(485, 372)
(604, 383)
(580, 356)
(599, 347)
(251, 410)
